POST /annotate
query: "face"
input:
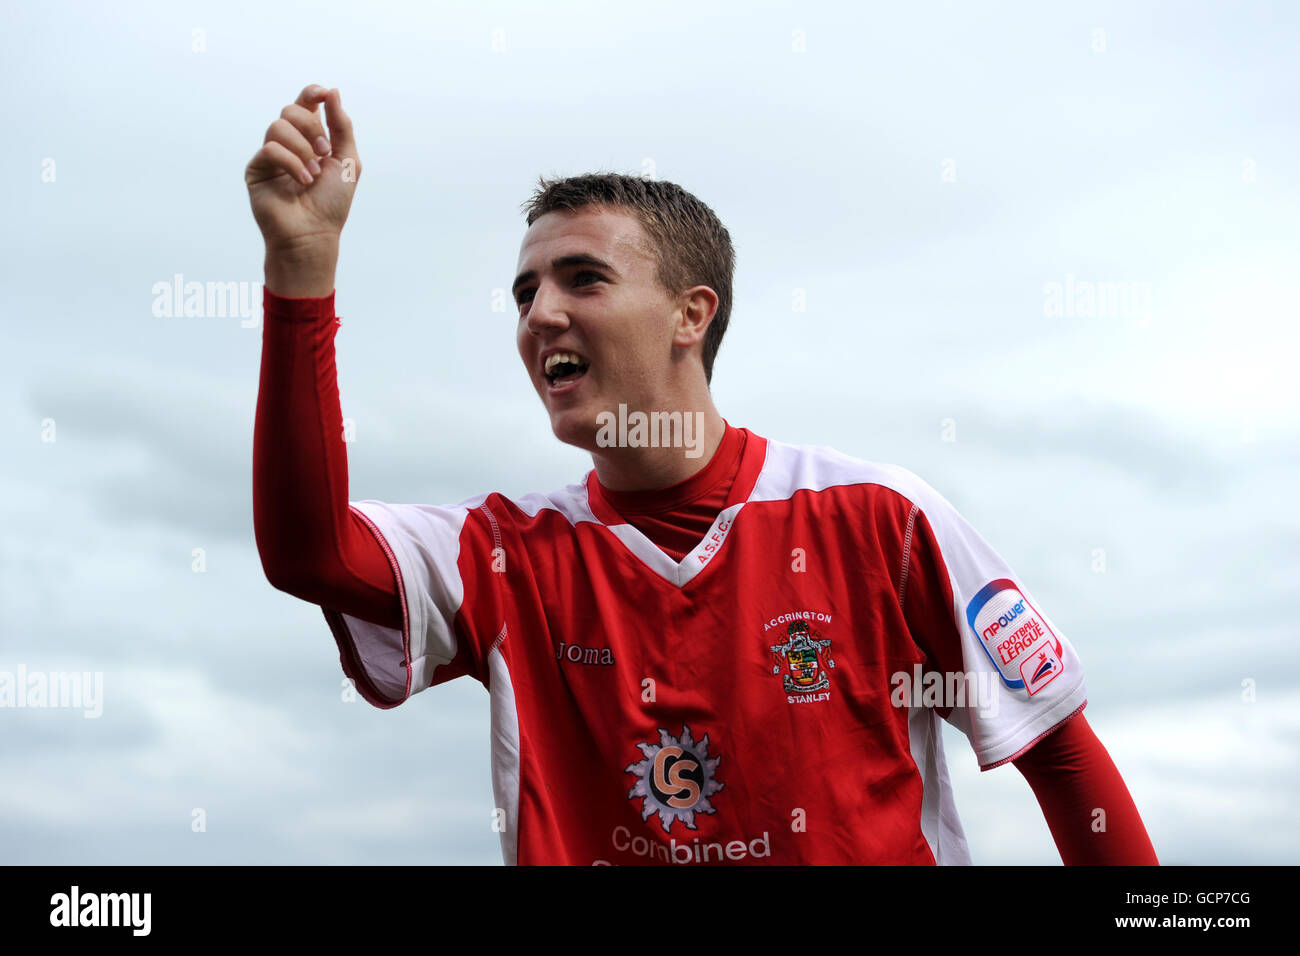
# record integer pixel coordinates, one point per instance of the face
(587, 290)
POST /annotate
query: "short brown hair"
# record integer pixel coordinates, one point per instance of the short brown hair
(693, 246)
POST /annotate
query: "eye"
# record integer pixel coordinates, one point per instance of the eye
(526, 295)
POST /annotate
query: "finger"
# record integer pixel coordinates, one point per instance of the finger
(308, 123)
(273, 159)
(311, 96)
(340, 124)
(286, 134)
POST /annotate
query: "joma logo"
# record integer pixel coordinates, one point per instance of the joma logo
(577, 654)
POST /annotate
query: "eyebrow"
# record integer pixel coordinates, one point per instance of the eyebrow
(562, 262)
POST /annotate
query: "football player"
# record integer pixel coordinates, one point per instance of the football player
(714, 647)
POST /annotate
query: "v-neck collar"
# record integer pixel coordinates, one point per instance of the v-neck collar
(679, 573)
(723, 466)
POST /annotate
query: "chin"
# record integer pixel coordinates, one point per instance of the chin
(573, 427)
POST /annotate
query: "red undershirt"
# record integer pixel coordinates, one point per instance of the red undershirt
(314, 547)
(678, 517)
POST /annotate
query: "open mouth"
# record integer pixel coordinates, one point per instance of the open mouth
(564, 368)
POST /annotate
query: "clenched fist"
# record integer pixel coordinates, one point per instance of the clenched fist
(300, 185)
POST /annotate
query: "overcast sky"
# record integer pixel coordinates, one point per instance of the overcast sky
(944, 185)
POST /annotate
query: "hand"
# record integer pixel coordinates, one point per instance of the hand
(300, 193)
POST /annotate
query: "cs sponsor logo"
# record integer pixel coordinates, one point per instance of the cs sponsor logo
(676, 779)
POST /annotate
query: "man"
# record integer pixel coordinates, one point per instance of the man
(716, 647)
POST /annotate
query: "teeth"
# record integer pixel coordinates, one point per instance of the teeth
(555, 358)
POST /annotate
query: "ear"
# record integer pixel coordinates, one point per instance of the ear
(699, 305)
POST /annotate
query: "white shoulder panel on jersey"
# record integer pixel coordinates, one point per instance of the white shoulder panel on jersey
(791, 468)
(570, 501)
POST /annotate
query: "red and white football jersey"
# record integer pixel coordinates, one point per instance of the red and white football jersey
(772, 698)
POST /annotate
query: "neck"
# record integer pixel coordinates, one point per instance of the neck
(633, 465)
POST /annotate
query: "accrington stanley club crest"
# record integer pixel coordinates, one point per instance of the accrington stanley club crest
(804, 660)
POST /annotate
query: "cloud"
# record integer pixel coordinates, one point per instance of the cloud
(1170, 448)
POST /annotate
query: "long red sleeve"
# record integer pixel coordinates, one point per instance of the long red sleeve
(1072, 776)
(311, 544)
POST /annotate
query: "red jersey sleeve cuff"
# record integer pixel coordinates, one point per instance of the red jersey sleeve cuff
(284, 309)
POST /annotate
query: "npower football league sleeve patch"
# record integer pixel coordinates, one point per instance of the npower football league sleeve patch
(1015, 636)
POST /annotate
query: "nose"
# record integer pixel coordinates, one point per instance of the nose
(545, 311)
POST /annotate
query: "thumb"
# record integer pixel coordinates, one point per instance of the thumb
(342, 145)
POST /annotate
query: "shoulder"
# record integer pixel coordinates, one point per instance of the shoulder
(484, 515)
(790, 468)
(570, 503)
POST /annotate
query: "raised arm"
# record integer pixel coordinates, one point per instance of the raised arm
(311, 544)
